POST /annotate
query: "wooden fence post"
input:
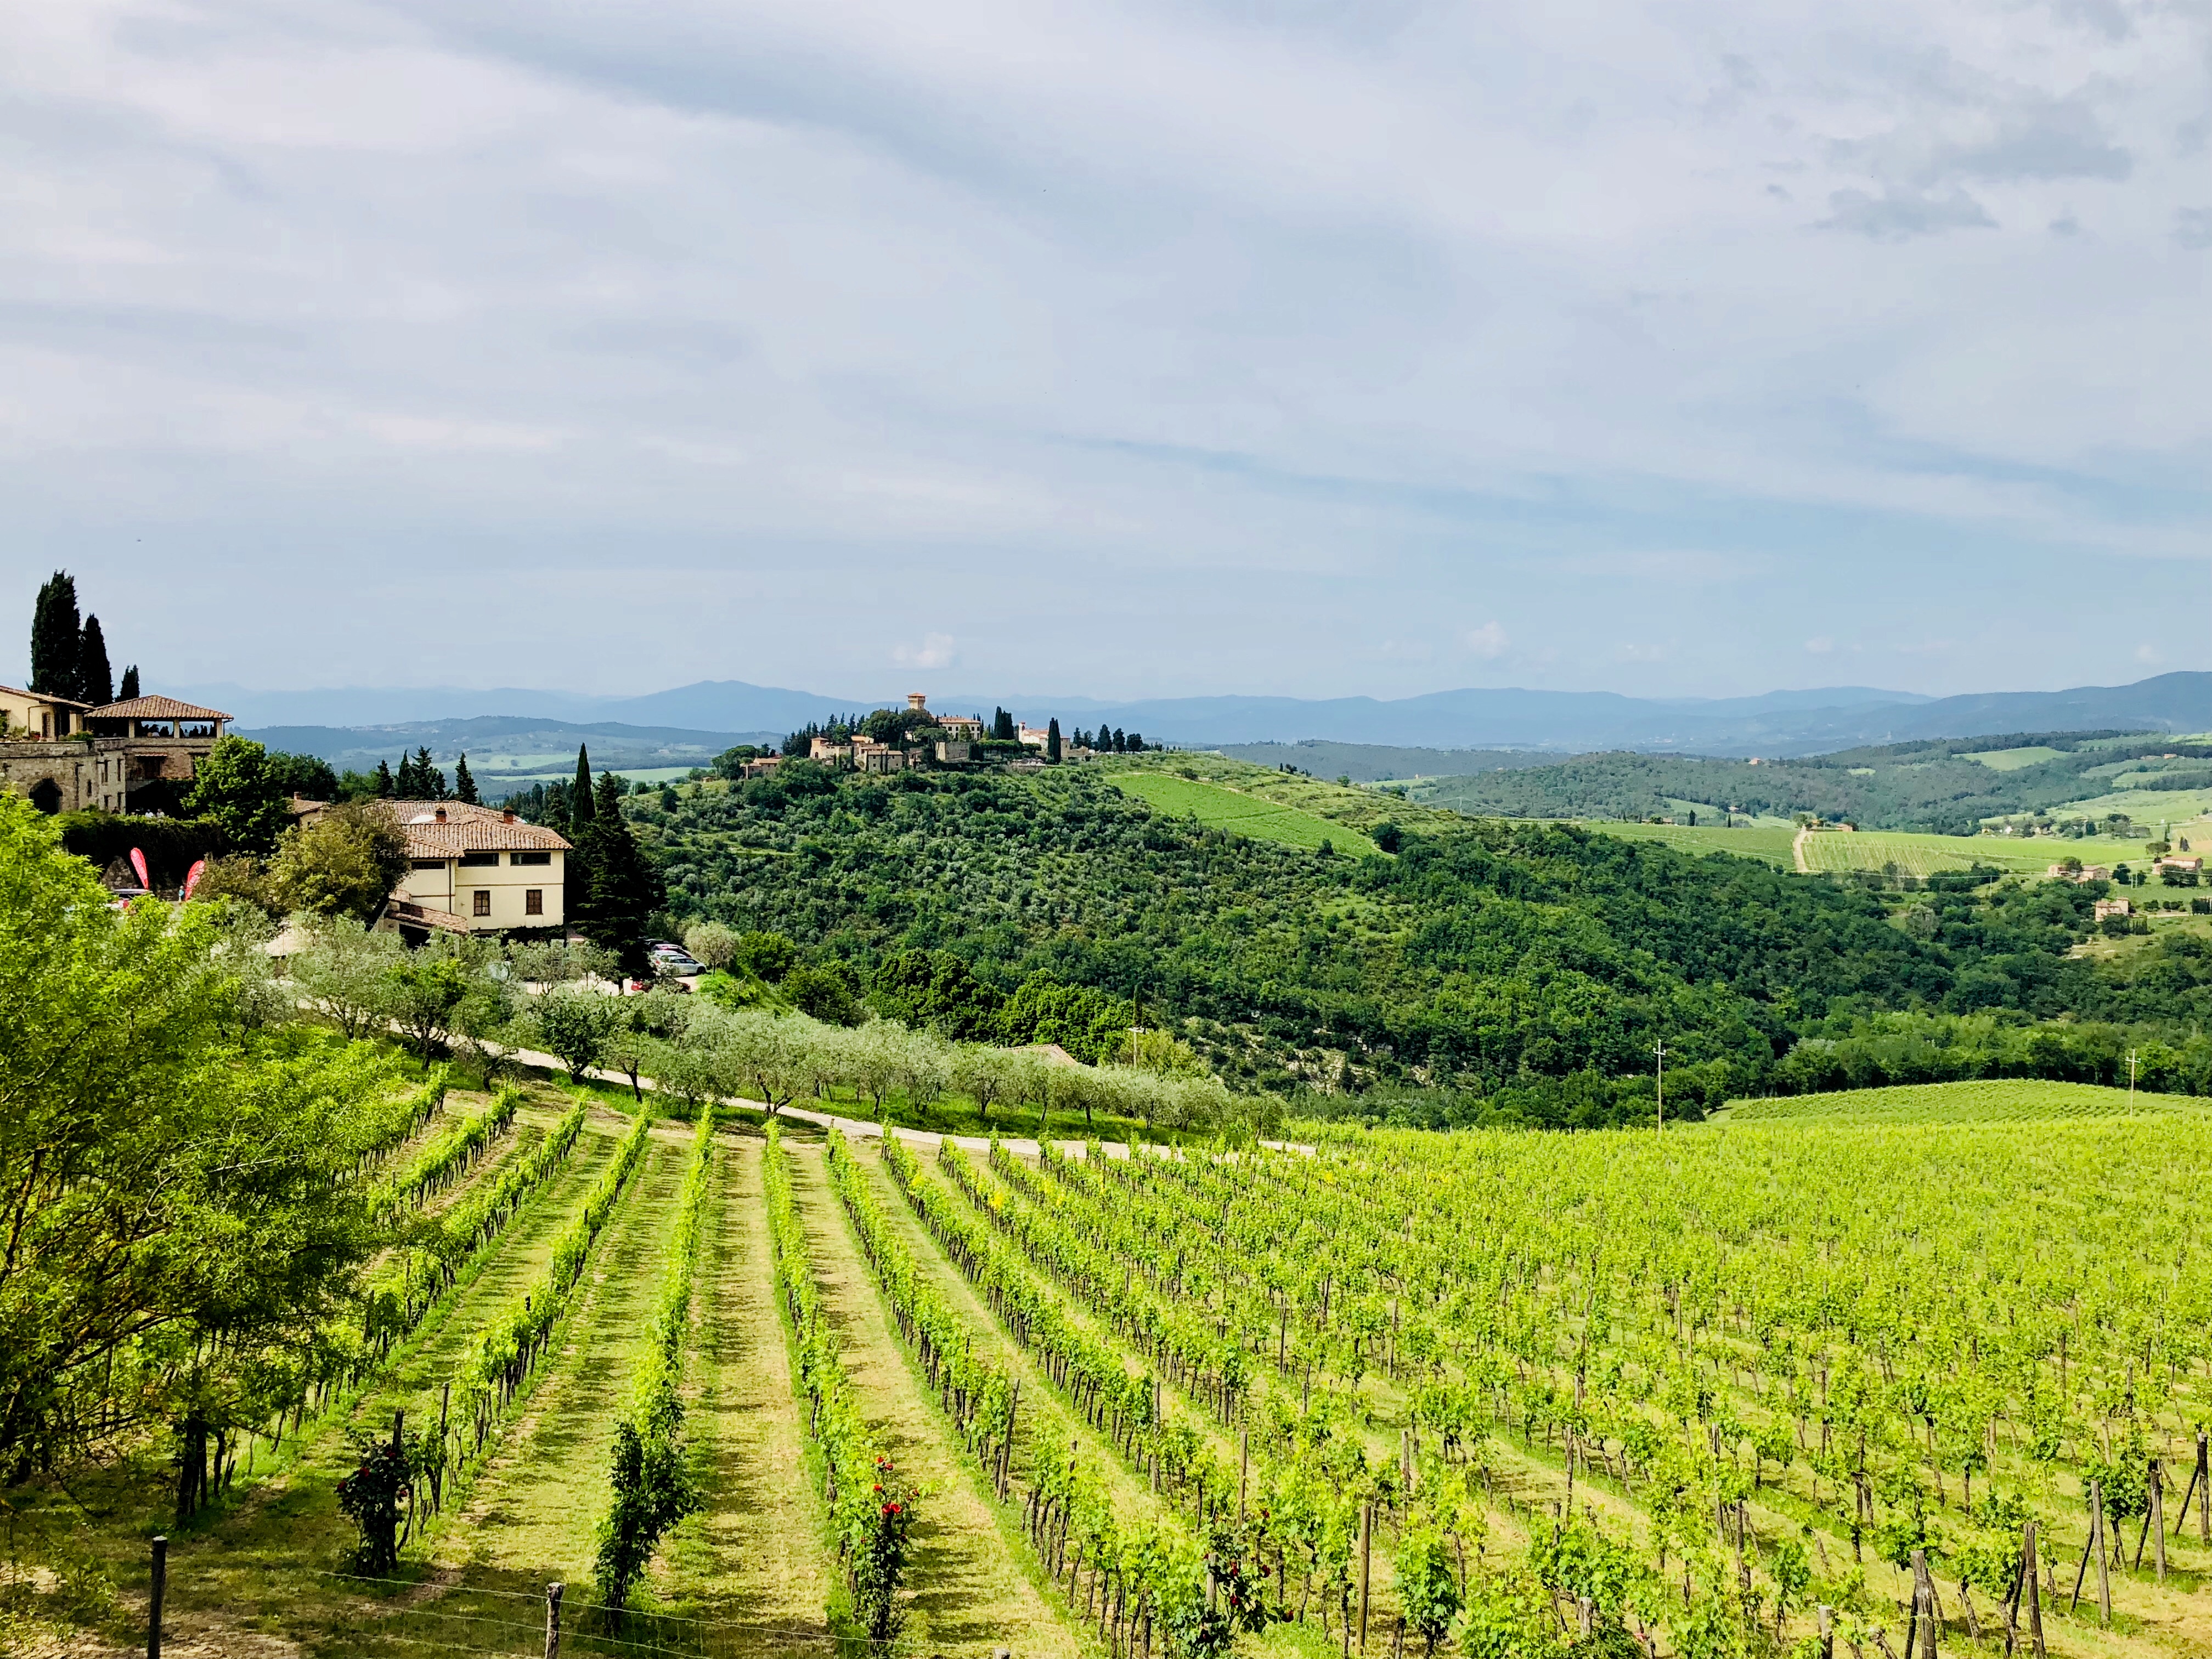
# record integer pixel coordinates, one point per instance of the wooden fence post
(160, 1592)
(1827, 1618)
(553, 1620)
(1244, 1472)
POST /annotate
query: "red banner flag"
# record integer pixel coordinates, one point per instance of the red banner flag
(192, 876)
(138, 863)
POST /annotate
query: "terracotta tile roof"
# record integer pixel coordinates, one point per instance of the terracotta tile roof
(45, 696)
(155, 709)
(421, 915)
(468, 829)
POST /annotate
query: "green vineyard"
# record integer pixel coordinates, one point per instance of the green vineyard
(1826, 1364)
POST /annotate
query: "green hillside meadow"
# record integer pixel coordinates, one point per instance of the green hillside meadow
(1991, 1101)
(1216, 805)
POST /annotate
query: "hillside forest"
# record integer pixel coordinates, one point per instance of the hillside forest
(1473, 970)
(1945, 787)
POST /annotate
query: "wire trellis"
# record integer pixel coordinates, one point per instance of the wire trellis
(592, 1626)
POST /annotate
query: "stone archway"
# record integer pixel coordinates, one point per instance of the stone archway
(46, 795)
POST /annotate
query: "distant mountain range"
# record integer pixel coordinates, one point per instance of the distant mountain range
(1778, 723)
(509, 750)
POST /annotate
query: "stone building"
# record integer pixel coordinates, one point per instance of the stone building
(71, 758)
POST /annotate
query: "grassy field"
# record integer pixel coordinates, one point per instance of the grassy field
(2012, 760)
(1243, 814)
(1769, 843)
(1981, 1101)
(1836, 850)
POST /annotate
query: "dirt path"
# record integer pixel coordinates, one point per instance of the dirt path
(534, 1509)
(972, 1590)
(754, 1555)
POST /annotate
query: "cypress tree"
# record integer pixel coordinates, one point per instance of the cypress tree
(580, 805)
(55, 638)
(430, 781)
(1052, 739)
(465, 787)
(128, 689)
(94, 679)
(625, 888)
(577, 891)
(385, 787)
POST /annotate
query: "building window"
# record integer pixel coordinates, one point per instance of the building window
(530, 858)
(533, 900)
(483, 901)
(477, 860)
(429, 864)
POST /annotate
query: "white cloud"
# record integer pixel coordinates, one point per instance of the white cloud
(2149, 655)
(935, 651)
(1821, 645)
(1182, 339)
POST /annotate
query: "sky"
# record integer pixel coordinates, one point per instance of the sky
(1115, 350)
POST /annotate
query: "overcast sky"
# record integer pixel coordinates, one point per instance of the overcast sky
(1115, 350)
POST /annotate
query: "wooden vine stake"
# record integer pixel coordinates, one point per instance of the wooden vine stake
(2030, 1571)
(1924, 1610)
(1366, 1539)
(2103, 1563)
(553, 1620)
(2203, 1491)
(1828, 1638)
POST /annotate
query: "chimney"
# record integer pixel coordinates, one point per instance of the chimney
(441, 815)
(506, 815)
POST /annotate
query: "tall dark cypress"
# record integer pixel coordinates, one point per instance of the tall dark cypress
(577, 887)
(1052, 739)
(385, 787)
(128, 689)
(465, 787)
(55, 638)
(95, 681)
(579, 798)
(625, 888)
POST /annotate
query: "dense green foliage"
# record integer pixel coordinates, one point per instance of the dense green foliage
(181, 1219)
(1534, 967)
(1931, 785)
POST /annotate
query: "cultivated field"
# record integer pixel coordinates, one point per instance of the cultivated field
(1681, 1390)
(1980, 1101)
(1909, 854)
(1219, 806)
(1769, 843)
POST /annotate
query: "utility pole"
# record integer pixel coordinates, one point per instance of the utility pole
(2131, 1077)
(1661, 1052)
